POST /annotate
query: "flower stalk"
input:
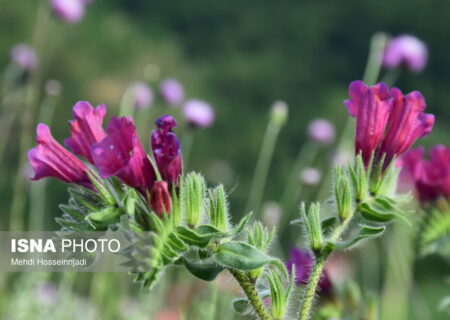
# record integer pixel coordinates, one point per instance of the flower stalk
(252, 294)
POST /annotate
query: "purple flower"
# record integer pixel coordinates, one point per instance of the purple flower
(166, 149)
(405, 50)
(430, 177)
(172, 91)
(407, 123)
(160, 200)
(303, 262)
(71, 11)
(198, 113)
(121, 154)
(321, 131)
(310, 176)
(142, 95)
(86, 128)
(50, 159)
(387, 123)
(24, 56)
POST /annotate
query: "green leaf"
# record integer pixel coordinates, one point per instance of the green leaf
(193, 238)
(104, 217)
(204, 269)
(328, 225)
(241, 256)
(377, 211)
(364, 232)
(242, 306)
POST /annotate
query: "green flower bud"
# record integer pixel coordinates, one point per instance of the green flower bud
(279, 113)
(104, 217)
(343, 193)
(194, 197)
(311, 221)
(218, 208)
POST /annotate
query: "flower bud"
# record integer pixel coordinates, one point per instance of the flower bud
(160, 200)
(310, 176)
(313, 228)
(218, 208)
(279, 113)
(343, 193)
(141, 95)
(53, 88)
(406, 50)
(194, 196)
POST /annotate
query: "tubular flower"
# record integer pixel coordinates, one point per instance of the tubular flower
(50, 159)
(86, 128)
(407, 123)
(160, 198)
(387, 123)
(430, 177)
(121, 154)
(166, 149)
(303, 262)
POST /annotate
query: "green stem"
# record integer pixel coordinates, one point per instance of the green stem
(314, 277)
(262, 167)
(252, 294)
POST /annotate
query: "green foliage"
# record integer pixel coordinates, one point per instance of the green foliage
(435, 234)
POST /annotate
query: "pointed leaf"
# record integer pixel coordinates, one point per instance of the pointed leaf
(241, 256)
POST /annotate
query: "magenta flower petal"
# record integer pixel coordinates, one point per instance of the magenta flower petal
(50, 159)
(121, 154)
(86, 128)
(166, 149)
(371, 106)
(407, 123)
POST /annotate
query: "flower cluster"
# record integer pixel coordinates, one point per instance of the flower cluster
(430, 177)
(116, 152)
(387, 122)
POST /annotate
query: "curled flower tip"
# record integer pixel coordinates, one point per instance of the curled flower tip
(121, 154)
(321, 131)
(160, 200)
(303, 262)
(198, 113)
(429, 177)
(142, 95)
(166, 123)
(371, 106)
(406, 50)
(71, 11)
(24, 56)
(166, 149)
(50, 159)
(86, 128)
(172, 92)
(407, 123)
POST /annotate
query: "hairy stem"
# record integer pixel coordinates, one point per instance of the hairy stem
(252, 294)
(314, 277)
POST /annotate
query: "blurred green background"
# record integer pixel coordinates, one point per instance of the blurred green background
(240, 56)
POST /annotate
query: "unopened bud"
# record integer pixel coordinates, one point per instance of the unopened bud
(279, 112)
(218, 209)
(343, 193)
(194, 196)
(160, 198)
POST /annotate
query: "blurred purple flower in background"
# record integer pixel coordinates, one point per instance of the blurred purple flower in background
(141, 94)
(198, 113)
(303, 262)
(406, 50)
(172, 91)
(53, 88)
(321, 131)
(24, 56)
(310, 176)
(71, 11)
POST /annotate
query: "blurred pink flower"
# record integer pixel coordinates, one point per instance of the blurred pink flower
(198, 113)
(172, 91)
(24, 56)
(430, 177)
(310, 176)
(71, 11)
(142, 95)
(321, 131)
(406, 50)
